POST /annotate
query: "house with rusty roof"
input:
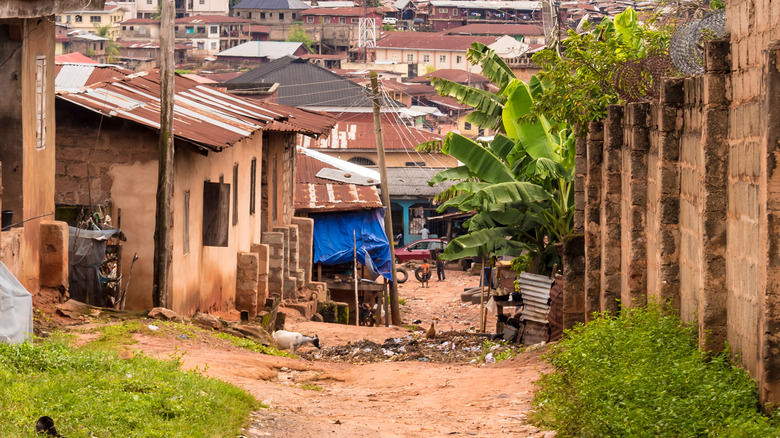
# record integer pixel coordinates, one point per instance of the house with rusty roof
(27, 146)
(352, 138)
(234, 175)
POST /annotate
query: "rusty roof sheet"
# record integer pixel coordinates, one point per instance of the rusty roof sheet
(314, 194)
(334, 197)
(356, 131)
(204, 116)
(309, 122)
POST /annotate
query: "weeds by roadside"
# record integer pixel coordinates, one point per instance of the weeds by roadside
(254, 346)
(642, 374)
(91, 391)
(496, 351)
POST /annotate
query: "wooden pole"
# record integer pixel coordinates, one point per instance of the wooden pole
(355, 276)
(482, 280)
(163, 243)
(395, 309)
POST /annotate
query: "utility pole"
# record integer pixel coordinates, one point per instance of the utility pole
(163, 243)
(395, 310)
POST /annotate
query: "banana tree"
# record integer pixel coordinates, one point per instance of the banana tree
(520, 184)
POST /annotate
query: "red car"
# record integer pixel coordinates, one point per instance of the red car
(419, 250)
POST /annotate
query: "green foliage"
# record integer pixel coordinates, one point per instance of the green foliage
(182, 71)
(93, 393)
(112, 48)
(501, 350)
(641, 374)
(251, 345)
(579, 82)
(311, 387)
(298, 34)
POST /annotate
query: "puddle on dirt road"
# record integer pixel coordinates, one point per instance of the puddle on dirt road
(447, 347)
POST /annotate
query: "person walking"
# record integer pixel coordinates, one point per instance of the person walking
(440, 267)
(424, 233)
(426, 272)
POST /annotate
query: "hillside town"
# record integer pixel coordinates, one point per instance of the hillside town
(222, 218)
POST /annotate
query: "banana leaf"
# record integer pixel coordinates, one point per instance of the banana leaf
(534, 136)
(515, 191)
(481, 161)
(478, 242)
(502, 146)
(454, 174)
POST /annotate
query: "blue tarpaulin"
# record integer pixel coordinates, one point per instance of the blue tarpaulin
(333, 242)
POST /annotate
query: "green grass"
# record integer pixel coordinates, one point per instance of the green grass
(90, 391)
(311, 387)
(642, 374)
(402, 301)
(498, 354)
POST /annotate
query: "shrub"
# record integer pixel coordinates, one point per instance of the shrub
(642, 374)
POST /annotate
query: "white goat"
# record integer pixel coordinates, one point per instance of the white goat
(292, 340)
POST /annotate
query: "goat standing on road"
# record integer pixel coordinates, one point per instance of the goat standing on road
(292, 340)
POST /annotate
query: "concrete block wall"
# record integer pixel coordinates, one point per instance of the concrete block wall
(688, 197)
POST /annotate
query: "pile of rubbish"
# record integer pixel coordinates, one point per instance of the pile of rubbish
(446, 347)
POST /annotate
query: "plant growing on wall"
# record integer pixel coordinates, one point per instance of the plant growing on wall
(583, 80)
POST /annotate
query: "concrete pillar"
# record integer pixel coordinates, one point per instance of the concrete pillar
(713, 203)
(633, 287)
(611, 193)
(574, 286)
(54, 255)
(769, 336)
(580, 174)
(593, 183)
(289, 281)
(664, 284)
(262, 252)
(246, 282)
(276, 262)
(305, 248)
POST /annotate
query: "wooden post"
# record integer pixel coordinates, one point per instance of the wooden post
(355, 276)
(380, 150)
(163, 243)
(482, 295)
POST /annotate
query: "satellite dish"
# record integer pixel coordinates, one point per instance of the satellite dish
(550, 22)
(581, 24)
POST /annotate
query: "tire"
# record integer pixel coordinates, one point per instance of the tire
(418, 274)
(401, 275)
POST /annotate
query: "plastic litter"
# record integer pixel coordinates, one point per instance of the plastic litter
(16, 315)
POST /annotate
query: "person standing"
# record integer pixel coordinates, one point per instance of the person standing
(440, 268)
(426, 272)
(424, 233)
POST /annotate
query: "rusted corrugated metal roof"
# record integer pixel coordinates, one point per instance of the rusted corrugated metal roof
(334, 197)
(203, 115)
(318, 194)
(356, 131)
(314, 123)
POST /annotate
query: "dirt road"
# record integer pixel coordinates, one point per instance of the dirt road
(315, 398)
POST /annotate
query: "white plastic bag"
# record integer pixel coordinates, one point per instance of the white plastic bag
(16, 313)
